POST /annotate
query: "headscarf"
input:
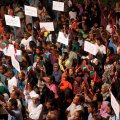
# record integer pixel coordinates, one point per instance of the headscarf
(57, 74)
(103, 110)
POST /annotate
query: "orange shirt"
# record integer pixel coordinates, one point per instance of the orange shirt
(65, 84)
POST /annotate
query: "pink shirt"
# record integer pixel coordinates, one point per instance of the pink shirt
(53, 88)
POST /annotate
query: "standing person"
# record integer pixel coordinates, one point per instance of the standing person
(12, 110)
(35, 108)
(57, 73)
(76, 105)
(92, 110)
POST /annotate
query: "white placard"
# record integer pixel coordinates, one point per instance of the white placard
(15, 63)
(115, 105)
(49, 26)
(12, 20)
(9, 51)
(63, 38)
(91, 48)
(18, 55)
(58, 6)
(30, 11)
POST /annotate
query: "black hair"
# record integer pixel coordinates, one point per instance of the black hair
(99, 97)
(13, 102)
(53, 103)
(32, 44)
(94, 105)
(17, 93)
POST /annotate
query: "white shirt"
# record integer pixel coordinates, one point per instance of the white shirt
(72, 109)
(90, 116)
(12, 82)
(36, 112)
(26, 42)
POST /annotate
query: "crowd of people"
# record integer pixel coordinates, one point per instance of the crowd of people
(57, 81)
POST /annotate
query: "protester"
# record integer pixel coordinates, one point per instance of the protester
(73, 79)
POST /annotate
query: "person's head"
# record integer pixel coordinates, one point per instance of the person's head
(30, 85)
(56, 67)
(92, 83)
(51, 115)
(99, 41)
(107, 59)
(92, 107)
(110, 110)
(50, 79)
(14, 94)
(12, 104)
(104, 88)
(64, 76)
(78, 99)
(29, 26)
(38, 59)
(26, 35)
(78, 115)
(21, 76)
(38, 50)
(110, 51)
(104, 106)
(51, 104)
(32, 45)
(101, 28)
(35, 99)
(1, 69)
(97, 117)
(98, 98)
(71, 71)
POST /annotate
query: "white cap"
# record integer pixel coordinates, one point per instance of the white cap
(33, 94)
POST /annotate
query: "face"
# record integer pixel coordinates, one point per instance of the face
(94, 97)
(48, 116)
(1, 69)
(89, 109)
(12, 95)
(98, 42)
(70, 71)
(55, 68)
(76, 100)
(9, 105)
(107, 59)
(103, 89)
(76, 116)
(25, 36)
(108, 110)
(37, 51)
(48, 106)
(20, 76)
(35, 100)
(92, 83)
(38, 59)
(29, 27)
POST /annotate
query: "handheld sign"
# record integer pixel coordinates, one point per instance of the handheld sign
(9, 51)
(12, 21)
(63, 38)
(15, 63)
(115, 105)
(91, 48)
(30, 11)
(47, 25)
(58, 6)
